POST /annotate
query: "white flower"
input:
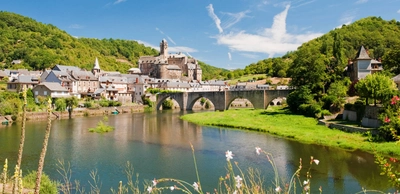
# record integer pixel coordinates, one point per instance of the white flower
(258, 150)
(196, 186)
(278, 189)
(172, 188)
(154, 182)
(238, 185)
(305, 182)
(228, 155)
(238, 179)
(235, 192)
(316, 161)
(149, 189)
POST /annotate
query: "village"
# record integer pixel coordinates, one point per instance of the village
(174, 72)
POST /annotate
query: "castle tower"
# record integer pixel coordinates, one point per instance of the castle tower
(164, 49)
(96, 68)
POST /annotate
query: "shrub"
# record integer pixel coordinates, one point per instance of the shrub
(167, 104)
(104, 103)
(46, 185)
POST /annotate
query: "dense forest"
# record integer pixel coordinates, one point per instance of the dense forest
(42, 46)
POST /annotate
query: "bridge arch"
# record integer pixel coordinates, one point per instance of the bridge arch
(175, 96)
(192, 103)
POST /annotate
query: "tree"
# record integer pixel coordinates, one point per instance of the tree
(301, 95)
(71, 102)
(376, 86)
(338, 91)
(391, 59)
(60, 104)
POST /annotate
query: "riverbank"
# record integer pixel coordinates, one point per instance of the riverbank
(84, 112)
(303, 129)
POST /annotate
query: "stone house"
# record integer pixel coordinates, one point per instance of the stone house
(17, 84)
(362, 65)
(50, 89)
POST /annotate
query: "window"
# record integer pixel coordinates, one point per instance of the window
(45, 93)
(36, 93)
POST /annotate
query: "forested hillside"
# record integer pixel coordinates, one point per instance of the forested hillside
(42, 46)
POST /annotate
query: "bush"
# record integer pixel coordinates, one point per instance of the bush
(167, 104)
(310, 110)
(104, 103)
(88, 104)
(46, 185)
(299, 97)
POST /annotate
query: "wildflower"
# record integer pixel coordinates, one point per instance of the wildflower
(387, 120)
(395, 99)
(305, 182)
(278, 189)
(306, 188)
(228, 155)
(154, 182)
(149, 189)
(316, 161)
(172, 188)
(196, 186)
(238, 179)
(258, 150)
(393, 159)
(235, 192)
(238, 185)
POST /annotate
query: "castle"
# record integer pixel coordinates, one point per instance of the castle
(170, 66)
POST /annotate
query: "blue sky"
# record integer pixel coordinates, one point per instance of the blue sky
(223, 33)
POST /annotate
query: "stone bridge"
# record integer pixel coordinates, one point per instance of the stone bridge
(222, 99)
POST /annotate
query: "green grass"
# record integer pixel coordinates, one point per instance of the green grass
(245, 78)
(278, 122)
(101, 128)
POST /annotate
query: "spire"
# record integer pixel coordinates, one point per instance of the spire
(362, 53)
(96, 64)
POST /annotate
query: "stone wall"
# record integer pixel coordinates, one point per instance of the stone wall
(349, 115)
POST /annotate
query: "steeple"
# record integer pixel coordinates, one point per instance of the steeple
(362, 53)
(96, 68)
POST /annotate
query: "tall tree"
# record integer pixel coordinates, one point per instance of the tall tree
(71, 102)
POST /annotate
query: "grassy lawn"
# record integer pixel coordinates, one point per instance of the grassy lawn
(303, 129)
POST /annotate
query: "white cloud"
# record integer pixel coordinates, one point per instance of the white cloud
(398, 11)
(347, 18)
(305, 3)
(361, 1)
(170, 39)
(217, 21)
(234, 18)
(274, 40)
(249, 55)
(75, 26)
(118, 1)
(229, 56)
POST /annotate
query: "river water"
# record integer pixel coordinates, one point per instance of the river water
(157, 144)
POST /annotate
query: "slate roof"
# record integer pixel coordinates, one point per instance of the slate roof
(24, 79)
(362, 53)
(66, 68)
(396, 78)
(83, 75)
(53, 86)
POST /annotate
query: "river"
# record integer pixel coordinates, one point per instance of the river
(157, 144)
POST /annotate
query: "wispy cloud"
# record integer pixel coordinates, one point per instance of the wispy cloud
(182, 49)
(217, 21)
(234, 18)
(361, 1)
(75, 26)
(347, 17)
(159, 30)
(188, 54)
(398, 11)
(301, 3)
(274, 40)
(249, 55)
(170, 39)
(229, 56)
(118, 1)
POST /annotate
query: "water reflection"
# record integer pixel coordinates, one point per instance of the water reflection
(158, 145)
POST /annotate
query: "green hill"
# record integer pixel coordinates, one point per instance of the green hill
(43, 46)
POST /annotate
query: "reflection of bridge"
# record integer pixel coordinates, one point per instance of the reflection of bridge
(222, 99)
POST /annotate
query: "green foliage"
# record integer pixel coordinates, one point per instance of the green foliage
(167, 104)
(208, 105)
(161, 91)
(101, 128)
(376, 86)
(109, 103)
(46, 185)
(390, 120)
(203, 100)
(301, 95)
(71, 102)
(60, 104)
(310, 110)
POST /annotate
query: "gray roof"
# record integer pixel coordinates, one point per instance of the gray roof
(53, 86)
(362, 54)
(396, 78)
(83, 75)
(25, 79)
(113, 79)
(66, 68)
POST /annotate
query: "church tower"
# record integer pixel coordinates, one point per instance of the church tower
(96, 68)
(164, 49)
